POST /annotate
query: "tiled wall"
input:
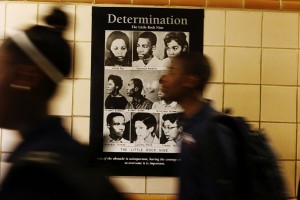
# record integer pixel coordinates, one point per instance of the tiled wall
(255, 54)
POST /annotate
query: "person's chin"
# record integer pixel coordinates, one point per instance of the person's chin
(120, 59)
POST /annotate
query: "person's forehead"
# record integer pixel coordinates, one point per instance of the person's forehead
(144, 41)
(118, 118)
(140, 123)
(111, 81)
(130, 82)
(118, 41)
(172, 43)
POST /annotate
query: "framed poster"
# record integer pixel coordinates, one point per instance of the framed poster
(132, 130)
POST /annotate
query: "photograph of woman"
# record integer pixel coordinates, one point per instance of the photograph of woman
(175, 44)
(171, 130)
(118, 53)
(114, 100)
(144, 126)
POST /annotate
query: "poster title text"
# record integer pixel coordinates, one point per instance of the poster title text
(147, 20)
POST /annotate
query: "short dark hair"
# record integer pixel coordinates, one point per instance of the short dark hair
(117, 80)
(116, 35)
(147, 118)
(179, 37)
(151, 36)
(138, 83)
(197, 64)
(172, 117)
(112, 115)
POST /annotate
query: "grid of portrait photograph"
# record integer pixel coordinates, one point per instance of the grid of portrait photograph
(136, 118)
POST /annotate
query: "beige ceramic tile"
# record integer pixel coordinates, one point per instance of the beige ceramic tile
(129, 184)
(81, 97)
(2, 20)
(242, 65)
(83, 24)
(214, 27)
(81, 126)
(67, 123)
(297, 176)
(278, 104)
(282, 138)
(298, 142)
(71, 74)
(216, 56)
(44, 9)
(162, 185)
(279, 66)
(244, 100)
(10, 139)
(243, 28)
(214, 92)
(82, 65)
(4, 168)
(298, 109)
(280, 30)
(298, 69)
(254, 125)
(61, 104)
(289, 172)
(20, 15)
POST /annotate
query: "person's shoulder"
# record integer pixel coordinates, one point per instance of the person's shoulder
(137, 63)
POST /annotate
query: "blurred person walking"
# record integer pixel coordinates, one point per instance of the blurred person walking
(184, 83)
(48, 164)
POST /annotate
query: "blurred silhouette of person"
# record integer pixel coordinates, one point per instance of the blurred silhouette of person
(145, 46)
(163, 105)
(116, 125)
(114, 100)
(117, 44)
(134, 90)
(145, 125)
(175, 44)
(32, 63)
(171, 128)
(184, 83)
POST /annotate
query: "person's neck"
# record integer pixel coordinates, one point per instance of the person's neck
(191, 105)
(115, 94)
(137, 98)
(178, 138)
(147, 60)
(115, 137)
(25, 126)
(149, 139)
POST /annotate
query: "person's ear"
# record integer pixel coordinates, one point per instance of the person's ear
(27, 77)
(136, 89)
(151, 130)
(153, 47)
(191, 81)
(108, 126)
(184, 49)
